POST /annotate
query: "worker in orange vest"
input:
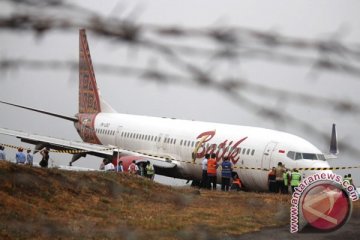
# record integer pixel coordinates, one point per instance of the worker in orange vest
(236, 183)
(211, 170)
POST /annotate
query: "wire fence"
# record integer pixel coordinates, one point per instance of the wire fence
(189, 50)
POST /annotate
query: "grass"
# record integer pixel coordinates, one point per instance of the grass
(53, 204)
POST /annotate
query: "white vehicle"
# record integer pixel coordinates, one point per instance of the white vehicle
(175, 147)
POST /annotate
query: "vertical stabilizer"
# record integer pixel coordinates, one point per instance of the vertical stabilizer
(89, 99)
(333, 142)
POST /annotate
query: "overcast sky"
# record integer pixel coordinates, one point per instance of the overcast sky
(56, 90)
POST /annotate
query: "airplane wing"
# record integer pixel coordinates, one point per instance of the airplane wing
(80, 149)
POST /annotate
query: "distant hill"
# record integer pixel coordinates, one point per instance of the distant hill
(40, 203)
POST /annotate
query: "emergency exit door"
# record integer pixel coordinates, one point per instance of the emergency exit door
(268, 152)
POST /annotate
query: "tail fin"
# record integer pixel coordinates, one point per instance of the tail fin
(89, 99)
(333, 142)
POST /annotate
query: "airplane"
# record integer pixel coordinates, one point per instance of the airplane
(175, 147)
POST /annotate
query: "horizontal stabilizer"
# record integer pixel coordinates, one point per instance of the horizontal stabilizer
(73, 119)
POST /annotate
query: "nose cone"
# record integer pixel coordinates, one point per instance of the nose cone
(310, 167)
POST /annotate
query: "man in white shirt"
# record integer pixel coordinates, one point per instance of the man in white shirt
(204, 180)
(109, 166)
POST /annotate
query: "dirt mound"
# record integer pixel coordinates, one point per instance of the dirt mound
(50, 203)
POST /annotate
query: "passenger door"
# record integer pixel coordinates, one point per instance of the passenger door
(268, 151)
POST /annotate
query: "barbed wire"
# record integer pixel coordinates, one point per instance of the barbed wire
(225, 43)
(340, 105)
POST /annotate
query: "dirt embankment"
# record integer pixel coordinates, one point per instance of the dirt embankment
(53, 204)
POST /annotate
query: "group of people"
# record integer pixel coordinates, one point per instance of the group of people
(145, 169)
(348, 178)
(209, 176)
(281, 178)
(28, 158)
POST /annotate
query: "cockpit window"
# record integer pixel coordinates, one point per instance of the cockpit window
(291, 154)
(298, 156)
(309, 156)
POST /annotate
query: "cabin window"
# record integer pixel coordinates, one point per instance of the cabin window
(155, 139)
(243, 152)
(152, 138)
(181, 141)
(174, 141)
(248, 152)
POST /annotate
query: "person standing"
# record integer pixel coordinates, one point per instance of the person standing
(226, 170)
(142, 170)
(286, 177)
(280, 170)
(204, 179)
(350, 179)
(272, 180)
(2, 153)
(45, 158)
(29, 157)
(211, 171)
(20, 156)
(109, 166)
(120, 167)
(295, 179)
(133, 168)
(150, 172)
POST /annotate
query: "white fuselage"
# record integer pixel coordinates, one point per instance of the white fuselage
(247, 147)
